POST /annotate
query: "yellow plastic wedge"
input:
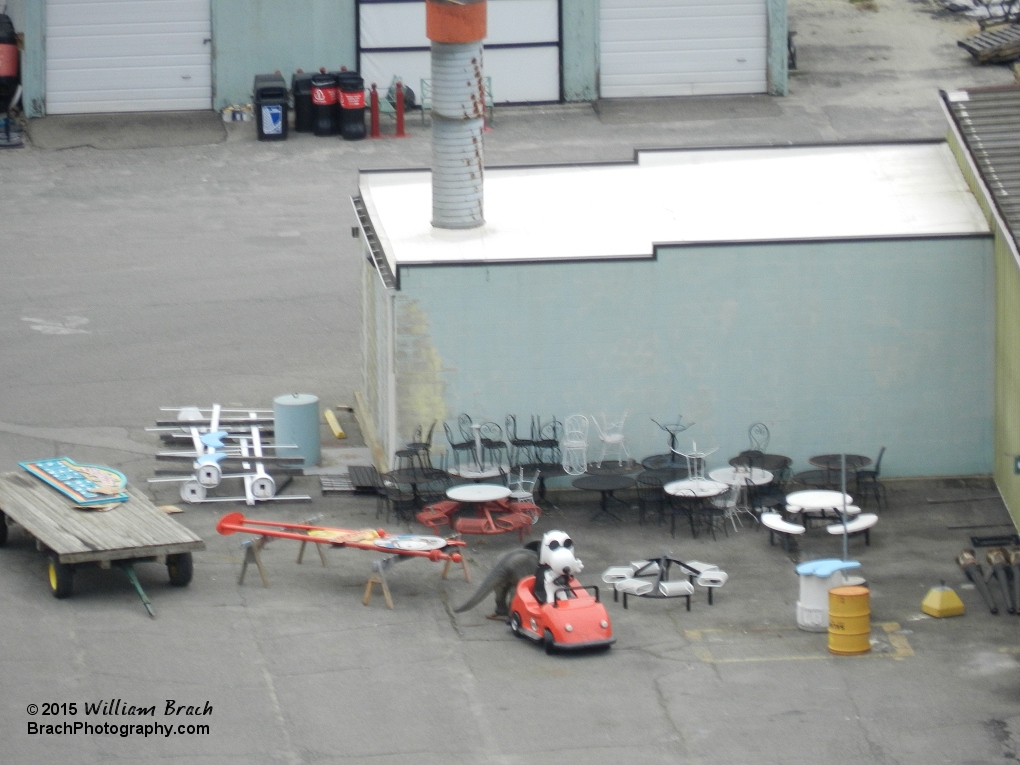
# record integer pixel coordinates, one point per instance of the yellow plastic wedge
(942, 601)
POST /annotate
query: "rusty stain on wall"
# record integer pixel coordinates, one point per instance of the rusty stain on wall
(420, 386)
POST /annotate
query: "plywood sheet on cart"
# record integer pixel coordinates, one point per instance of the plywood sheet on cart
(132, 529)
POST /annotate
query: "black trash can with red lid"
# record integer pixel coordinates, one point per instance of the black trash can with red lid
(351, 88)
(324, 100)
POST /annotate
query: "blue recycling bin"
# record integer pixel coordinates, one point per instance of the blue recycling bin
(271, 107)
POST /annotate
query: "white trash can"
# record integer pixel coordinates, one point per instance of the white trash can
(817, 577)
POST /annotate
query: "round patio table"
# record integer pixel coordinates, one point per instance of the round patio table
(832, 465)
(605, 485)
(854, 462)
(696, 487)
(817, 499)
(662, 461)
(774, 463)
(478, 492)
(478, 496)
(611, 467)
(666, 475)
(736, 476)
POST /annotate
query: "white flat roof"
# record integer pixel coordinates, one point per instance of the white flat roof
(682, 197)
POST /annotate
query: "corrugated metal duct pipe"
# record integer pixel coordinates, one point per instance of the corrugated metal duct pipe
(456, 29)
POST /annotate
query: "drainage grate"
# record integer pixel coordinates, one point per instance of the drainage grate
(359, 478)
(995, 541)
(335, 483)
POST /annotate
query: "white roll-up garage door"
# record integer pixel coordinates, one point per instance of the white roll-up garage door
(682, 47)
(522, 49)
(128, 55)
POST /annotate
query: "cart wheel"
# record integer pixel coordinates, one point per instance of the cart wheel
(192, 492)
(3, 528)
(515, 624)
(210, 475)
(61, 577)
(550, 644)
(180, 567)
(263, 487)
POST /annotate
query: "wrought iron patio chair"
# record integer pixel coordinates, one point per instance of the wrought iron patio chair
(547, 437)
(461, 452)
(651, 497)
(759, 436)
(519, 446)
(868, 483)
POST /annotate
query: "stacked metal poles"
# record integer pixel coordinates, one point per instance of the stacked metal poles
(456, 29)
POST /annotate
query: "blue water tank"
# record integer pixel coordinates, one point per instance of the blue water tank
(296, 421)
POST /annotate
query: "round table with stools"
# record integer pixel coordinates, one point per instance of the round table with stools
(493, 513)
(816, 504)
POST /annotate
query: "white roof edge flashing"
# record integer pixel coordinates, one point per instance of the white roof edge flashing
(687, 196)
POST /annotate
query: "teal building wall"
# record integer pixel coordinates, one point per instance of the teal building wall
(579, 45)
(835, 345)
(777, 56)
(261, 36)
(33, 57)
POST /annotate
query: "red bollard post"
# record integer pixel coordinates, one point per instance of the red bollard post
(374, 112)
(400, 110)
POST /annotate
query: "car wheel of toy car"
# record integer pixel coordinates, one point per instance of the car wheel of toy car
(550, 644)
(515, 624)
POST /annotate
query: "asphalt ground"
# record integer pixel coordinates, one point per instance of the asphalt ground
(136, 278)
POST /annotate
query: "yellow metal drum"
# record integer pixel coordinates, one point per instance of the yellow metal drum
(849, 620)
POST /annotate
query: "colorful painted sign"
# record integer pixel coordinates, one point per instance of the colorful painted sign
(85, 484)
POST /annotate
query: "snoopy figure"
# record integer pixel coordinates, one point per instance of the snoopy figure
(556, 565)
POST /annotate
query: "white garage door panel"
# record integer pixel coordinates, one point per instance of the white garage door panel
(124, 11)
(522, 75)
(520, 21)
(381, 68)
(128, 79)
(519, 75)
(392, 25)
(127, 55)
(691, 31)
(707, 84)
(147, 47)
(655, 69)
(521, 72)
(682, 47)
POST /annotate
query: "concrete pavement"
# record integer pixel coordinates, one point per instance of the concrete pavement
(136, 278)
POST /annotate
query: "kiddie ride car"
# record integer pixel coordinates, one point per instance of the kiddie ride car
(575, 620)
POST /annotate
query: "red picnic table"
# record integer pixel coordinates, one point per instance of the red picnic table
(494, 513)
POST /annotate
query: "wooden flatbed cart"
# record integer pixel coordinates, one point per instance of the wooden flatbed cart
(134, 531)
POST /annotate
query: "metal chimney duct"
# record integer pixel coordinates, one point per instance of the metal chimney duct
(456, 29)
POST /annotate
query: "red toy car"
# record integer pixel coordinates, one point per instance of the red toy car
(576, 619)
